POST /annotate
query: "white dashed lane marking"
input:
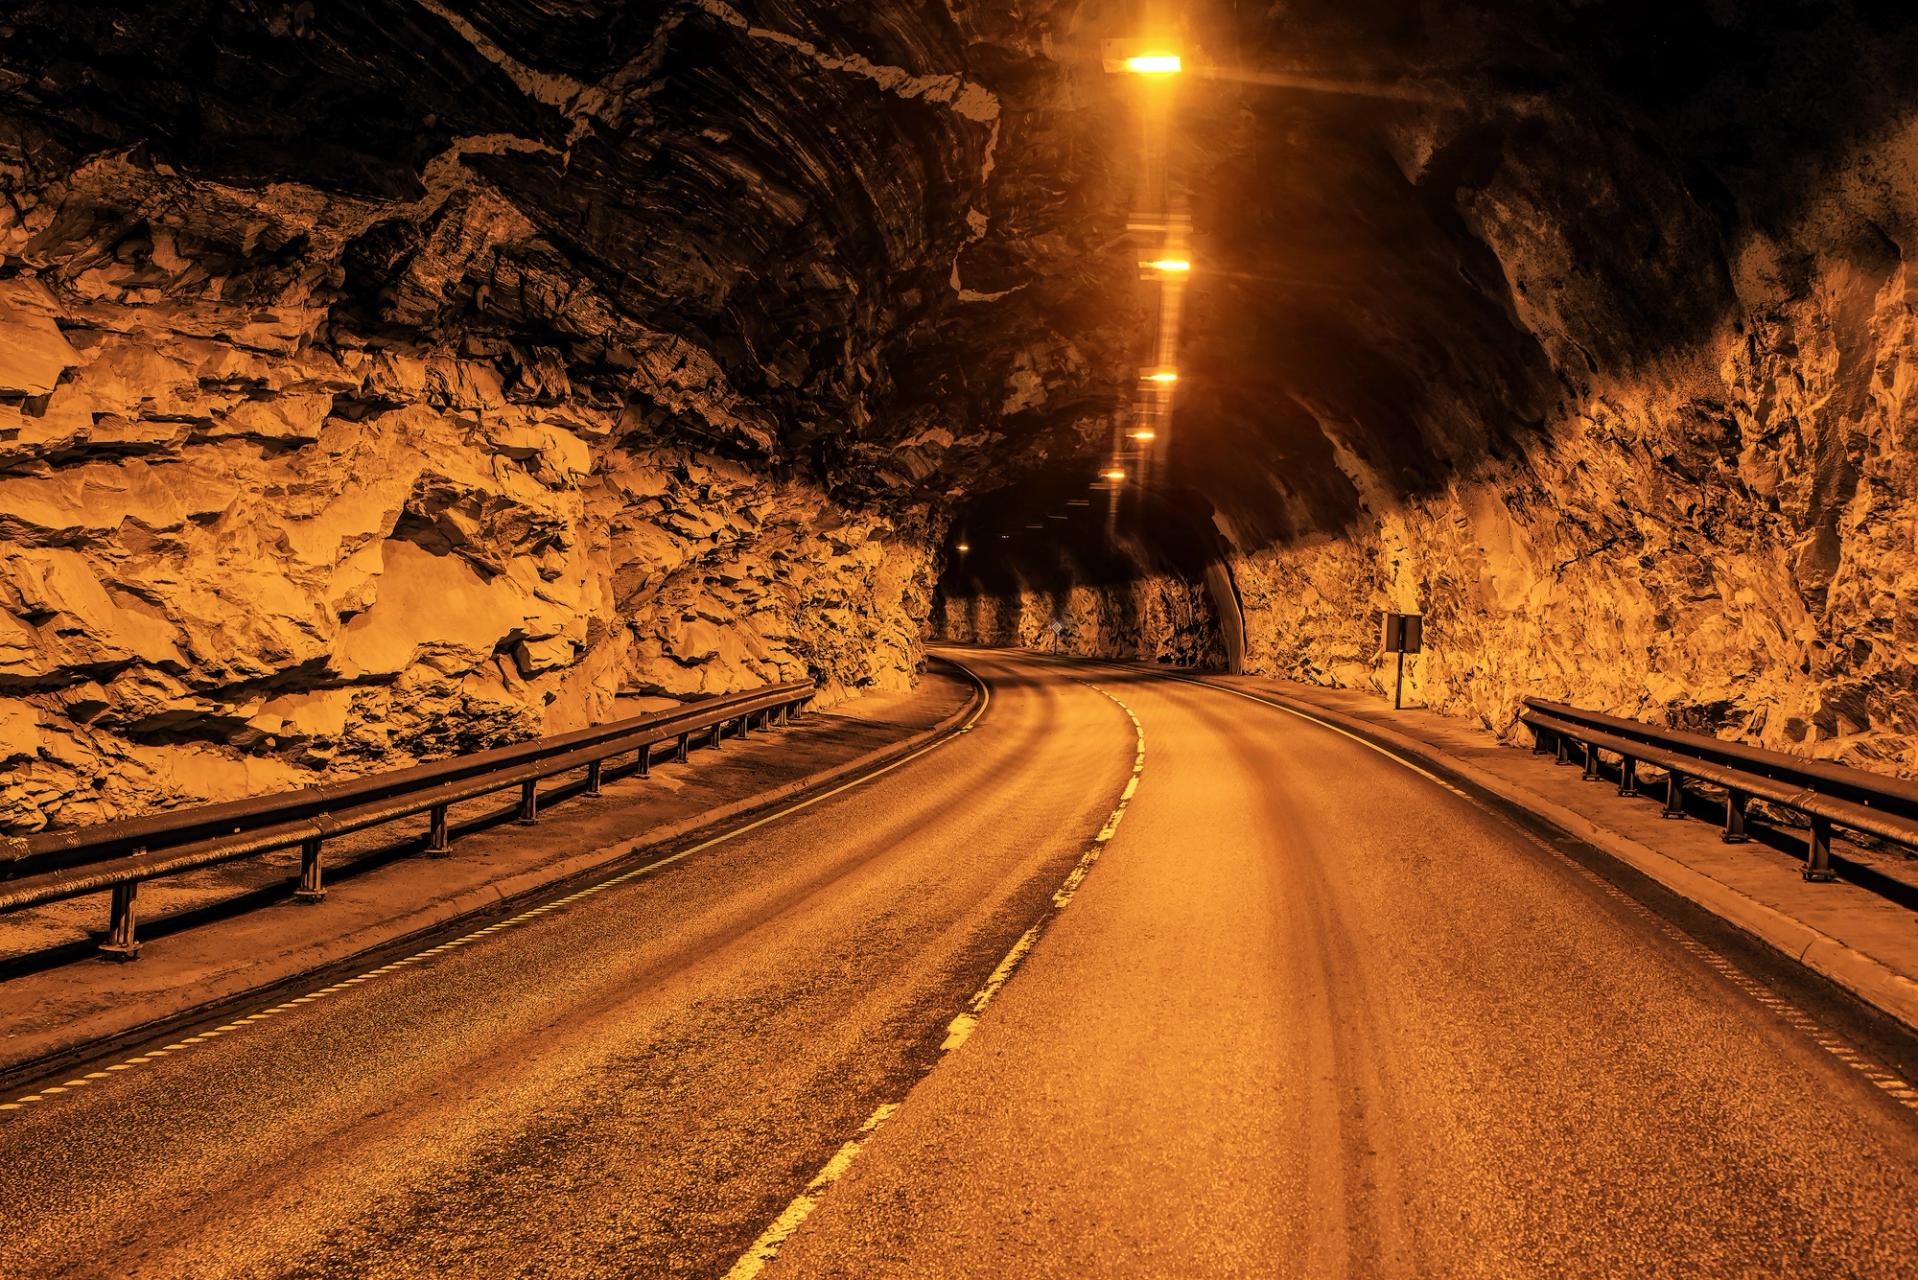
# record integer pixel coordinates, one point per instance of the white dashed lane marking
(960, 1029)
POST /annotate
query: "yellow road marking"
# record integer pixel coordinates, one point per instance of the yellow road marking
(763, 1250)
(959, 1029)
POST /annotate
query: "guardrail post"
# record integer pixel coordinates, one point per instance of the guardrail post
(1734, 832)
(436, 833)
(529, 801)
(646, 761)
(1818, 852)
(593, 772)
(311, 889)
(719, 734)
(683, 741)
(1674, 795)
(746, 725)
(1591, 763)
(1564, 753)
(1627, 776)
(1538, 739)
(121, 944)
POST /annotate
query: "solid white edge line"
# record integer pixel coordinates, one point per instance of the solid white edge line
(532, 913)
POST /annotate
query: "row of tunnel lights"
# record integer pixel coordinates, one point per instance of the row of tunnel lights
(1146, 64)
(1152, 64)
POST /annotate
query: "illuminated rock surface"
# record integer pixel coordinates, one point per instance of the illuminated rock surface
(1586, 330)
(378, 381)
(381, 381)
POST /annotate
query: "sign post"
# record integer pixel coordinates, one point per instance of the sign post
(1404, 633)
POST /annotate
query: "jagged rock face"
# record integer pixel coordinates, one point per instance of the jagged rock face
(250, 587)
(1149, 618)
(383, 380)
(379, 379)
(1626, 409)
(1585, 329)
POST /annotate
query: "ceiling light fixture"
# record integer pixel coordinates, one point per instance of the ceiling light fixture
(1155, 64)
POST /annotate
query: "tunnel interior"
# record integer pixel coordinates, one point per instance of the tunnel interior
(384, 380)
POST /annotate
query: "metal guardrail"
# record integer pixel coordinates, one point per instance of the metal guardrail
(1827, 795)
(121, 854)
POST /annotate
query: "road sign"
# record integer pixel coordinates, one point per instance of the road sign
(1404, 633)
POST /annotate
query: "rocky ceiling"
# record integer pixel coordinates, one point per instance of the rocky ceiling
(874, 243)
(388, 376)
(882, 242)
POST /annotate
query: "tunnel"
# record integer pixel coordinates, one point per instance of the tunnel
(391, 384)
(647, 338)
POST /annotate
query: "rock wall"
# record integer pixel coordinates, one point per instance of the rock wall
(1723, 538)
(231, 556)
(1153, 617)
(382, 382)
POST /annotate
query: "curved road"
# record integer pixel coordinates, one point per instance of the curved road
(1312, 1013)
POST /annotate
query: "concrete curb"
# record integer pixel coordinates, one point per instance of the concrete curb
(1872, 981)
(91, 1035)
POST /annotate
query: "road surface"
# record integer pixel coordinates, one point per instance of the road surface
(1311, 1013)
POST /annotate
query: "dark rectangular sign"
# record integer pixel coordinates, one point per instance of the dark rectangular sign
(1404, 632)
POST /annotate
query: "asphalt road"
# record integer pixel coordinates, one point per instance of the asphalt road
(1311, 1013)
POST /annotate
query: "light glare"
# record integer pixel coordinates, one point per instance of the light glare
(1155, 64)
(1170, 265)
(1143, 433)
(1112, 473)
(1164, 375)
